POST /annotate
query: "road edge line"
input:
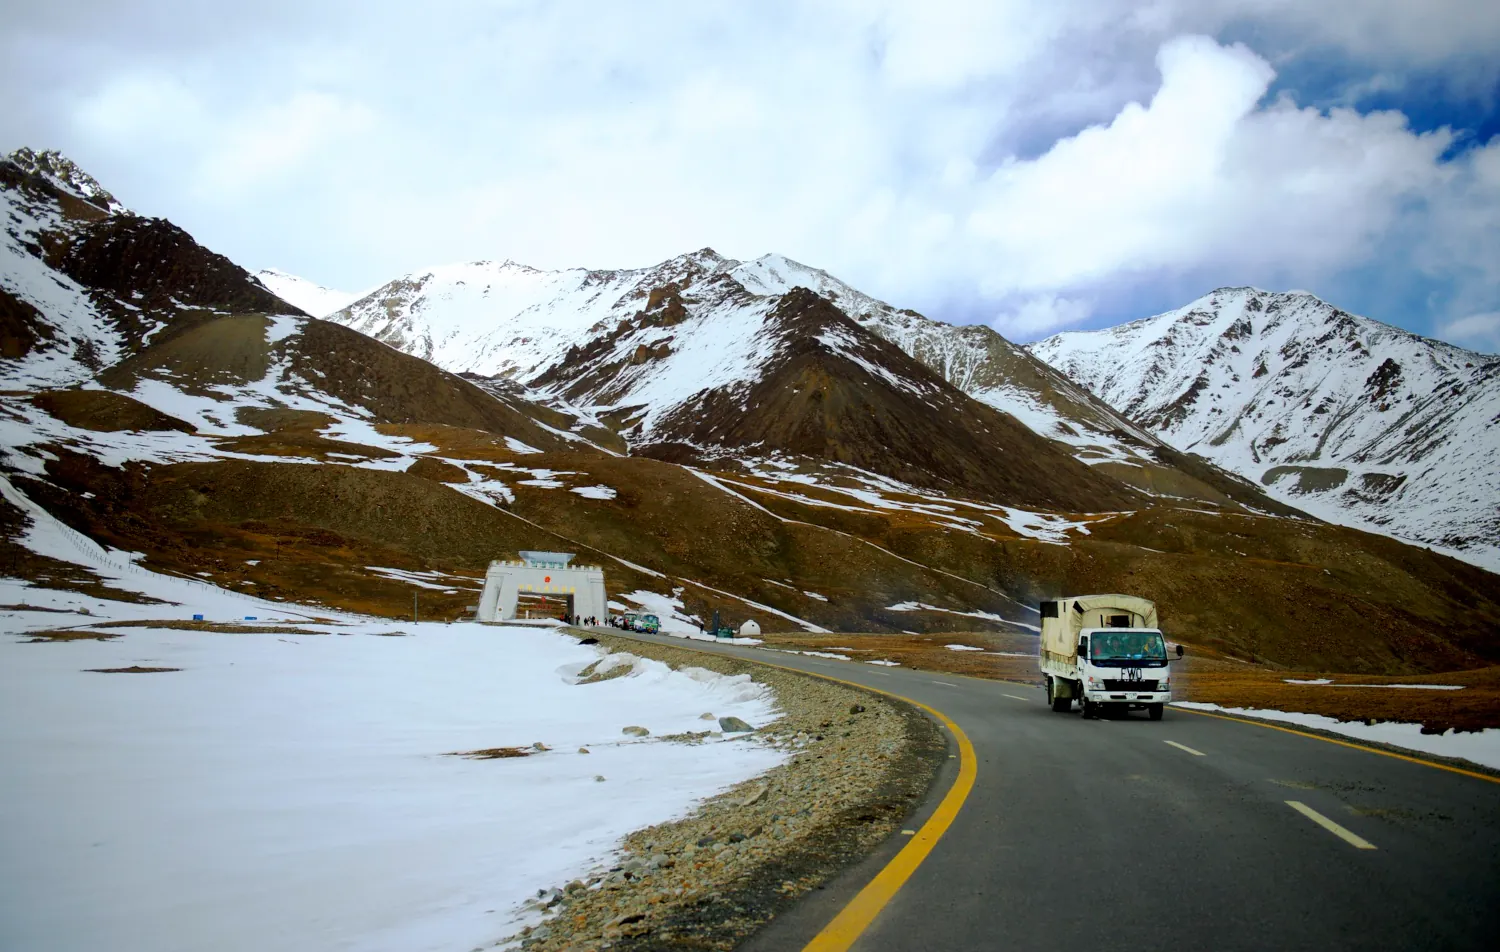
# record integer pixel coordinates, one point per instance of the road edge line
(1342, 743)
(859, 912)
(852, 920)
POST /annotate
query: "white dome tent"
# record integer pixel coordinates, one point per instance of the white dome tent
(749, 629)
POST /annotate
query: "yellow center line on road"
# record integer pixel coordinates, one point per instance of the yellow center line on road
(1173, 743)
(1358, 842)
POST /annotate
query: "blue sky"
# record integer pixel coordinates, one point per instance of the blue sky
(1033, 165)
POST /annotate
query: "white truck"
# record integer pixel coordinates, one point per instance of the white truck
(1104, 650)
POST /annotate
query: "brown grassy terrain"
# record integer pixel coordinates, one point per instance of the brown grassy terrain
(1475, 707)
(1294, 593)
(133, 669)
(106, 411)
(72, 634)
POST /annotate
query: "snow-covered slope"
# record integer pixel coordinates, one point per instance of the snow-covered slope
(1353, 420)
(697, 351)
(633, 347)
(306, 295)
(976, 360)
(506, 319)
(511, 320)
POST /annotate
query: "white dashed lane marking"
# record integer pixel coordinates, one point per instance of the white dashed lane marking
(1358, 842)
(1195, 753)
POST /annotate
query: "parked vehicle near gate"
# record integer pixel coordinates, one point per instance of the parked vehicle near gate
(627, 621)
(649, 624)
(1105, 651)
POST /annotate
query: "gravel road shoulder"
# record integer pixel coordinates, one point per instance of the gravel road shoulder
(861, 763)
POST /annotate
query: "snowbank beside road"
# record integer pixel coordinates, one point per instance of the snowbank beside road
(1480, 747)
(293, 791)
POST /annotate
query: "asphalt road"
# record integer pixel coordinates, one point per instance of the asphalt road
(1106, 834)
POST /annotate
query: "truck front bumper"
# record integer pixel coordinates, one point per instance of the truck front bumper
(1127, 697)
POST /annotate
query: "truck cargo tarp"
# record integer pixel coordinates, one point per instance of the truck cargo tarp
(1060, 635)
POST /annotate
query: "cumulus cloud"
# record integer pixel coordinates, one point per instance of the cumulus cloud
(1026, 163)
(1202, 177)
(1479, 332)
(1040, 314)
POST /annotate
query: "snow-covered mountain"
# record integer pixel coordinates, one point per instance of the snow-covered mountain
(1353, 420)
(631, 347)
(305, 295)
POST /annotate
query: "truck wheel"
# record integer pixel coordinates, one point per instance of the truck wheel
(1062, 705)
(1155, 711)
(1090, 710)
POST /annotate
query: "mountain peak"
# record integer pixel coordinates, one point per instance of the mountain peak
(1343, 416)
(65, 174)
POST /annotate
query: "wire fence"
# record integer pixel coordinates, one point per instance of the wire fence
(96, 556)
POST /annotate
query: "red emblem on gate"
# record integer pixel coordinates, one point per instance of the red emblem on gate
(547, 579)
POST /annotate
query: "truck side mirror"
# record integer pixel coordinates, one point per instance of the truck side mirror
(1179, 651)
(1083, 646)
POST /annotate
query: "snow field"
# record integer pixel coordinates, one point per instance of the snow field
(292, 791)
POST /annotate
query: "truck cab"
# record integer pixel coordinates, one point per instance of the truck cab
(1107, 652)
(649, 624)
(1124, 666)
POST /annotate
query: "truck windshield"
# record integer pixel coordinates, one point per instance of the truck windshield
(1127, 646)
(651, 619)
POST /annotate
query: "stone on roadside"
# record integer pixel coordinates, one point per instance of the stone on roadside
(733, 725)
(598, 778)
(635, 731)
(705, 716)
(583, 750)
(755, 796)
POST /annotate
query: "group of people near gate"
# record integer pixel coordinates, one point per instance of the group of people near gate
(578, 619)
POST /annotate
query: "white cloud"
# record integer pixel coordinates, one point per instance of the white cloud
(1024, 159)
(1479, 332)
(275, 140)
(1202, 176)
(1039, 316)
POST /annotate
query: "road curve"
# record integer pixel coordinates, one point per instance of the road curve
(1192, 832)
